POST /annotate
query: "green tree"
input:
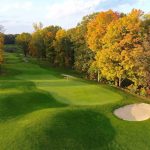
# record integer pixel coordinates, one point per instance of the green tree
(83, 56)
(37, 46)
(146, 28)
(1, 50)
(23, 40)
(49, 37)
(63, 49)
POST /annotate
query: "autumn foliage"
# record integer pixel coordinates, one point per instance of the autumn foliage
(98, 27)
(109, 47)
(120, 50)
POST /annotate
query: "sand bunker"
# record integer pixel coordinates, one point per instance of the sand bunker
(134, 112)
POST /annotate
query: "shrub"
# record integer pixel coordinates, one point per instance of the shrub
(143, 92)
(132, 88)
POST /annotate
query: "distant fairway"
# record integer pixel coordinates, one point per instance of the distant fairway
(39, 109)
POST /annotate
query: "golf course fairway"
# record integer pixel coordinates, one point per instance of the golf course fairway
(41, 110)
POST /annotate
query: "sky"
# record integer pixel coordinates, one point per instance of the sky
(17, 16)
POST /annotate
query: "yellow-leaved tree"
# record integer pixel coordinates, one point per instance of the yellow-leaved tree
(63, 49)
(96, 29)
(122, 52)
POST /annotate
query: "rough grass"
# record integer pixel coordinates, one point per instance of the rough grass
(39, 109)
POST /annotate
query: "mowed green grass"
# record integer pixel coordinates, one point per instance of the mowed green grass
(40, 110)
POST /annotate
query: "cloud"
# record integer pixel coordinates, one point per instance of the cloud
(18, 15)
(127, 6)
(16, 5)
(71, 7)
(4, 21)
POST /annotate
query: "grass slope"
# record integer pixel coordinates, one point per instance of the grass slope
(39, 109)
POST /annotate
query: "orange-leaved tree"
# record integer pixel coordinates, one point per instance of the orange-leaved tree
(97, 28)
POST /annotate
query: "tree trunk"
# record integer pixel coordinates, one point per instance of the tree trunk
(116, 82)
(119, 82)
(98, 76)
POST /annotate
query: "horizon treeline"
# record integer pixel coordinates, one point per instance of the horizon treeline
(108, 46)
(1, 46)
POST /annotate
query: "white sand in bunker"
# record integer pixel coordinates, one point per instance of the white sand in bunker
(134, 112)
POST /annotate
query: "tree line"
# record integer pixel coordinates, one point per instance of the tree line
(1, 46)
(109, 47)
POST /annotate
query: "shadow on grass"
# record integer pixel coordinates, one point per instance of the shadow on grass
(9, 73)
(27, 100)
(21, 104)
(82, 129)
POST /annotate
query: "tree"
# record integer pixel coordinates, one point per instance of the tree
(41, 44)
(83, 56)
(23, 40)
(97, 28)
(49, 37)
(122, 52)
(146, 28)
(37, 46)
(37, 26)
(63, 49)
(9, 38)
(1, 50)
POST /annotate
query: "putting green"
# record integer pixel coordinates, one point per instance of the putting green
(70, 92)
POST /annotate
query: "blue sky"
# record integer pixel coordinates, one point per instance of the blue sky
(18, 15)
